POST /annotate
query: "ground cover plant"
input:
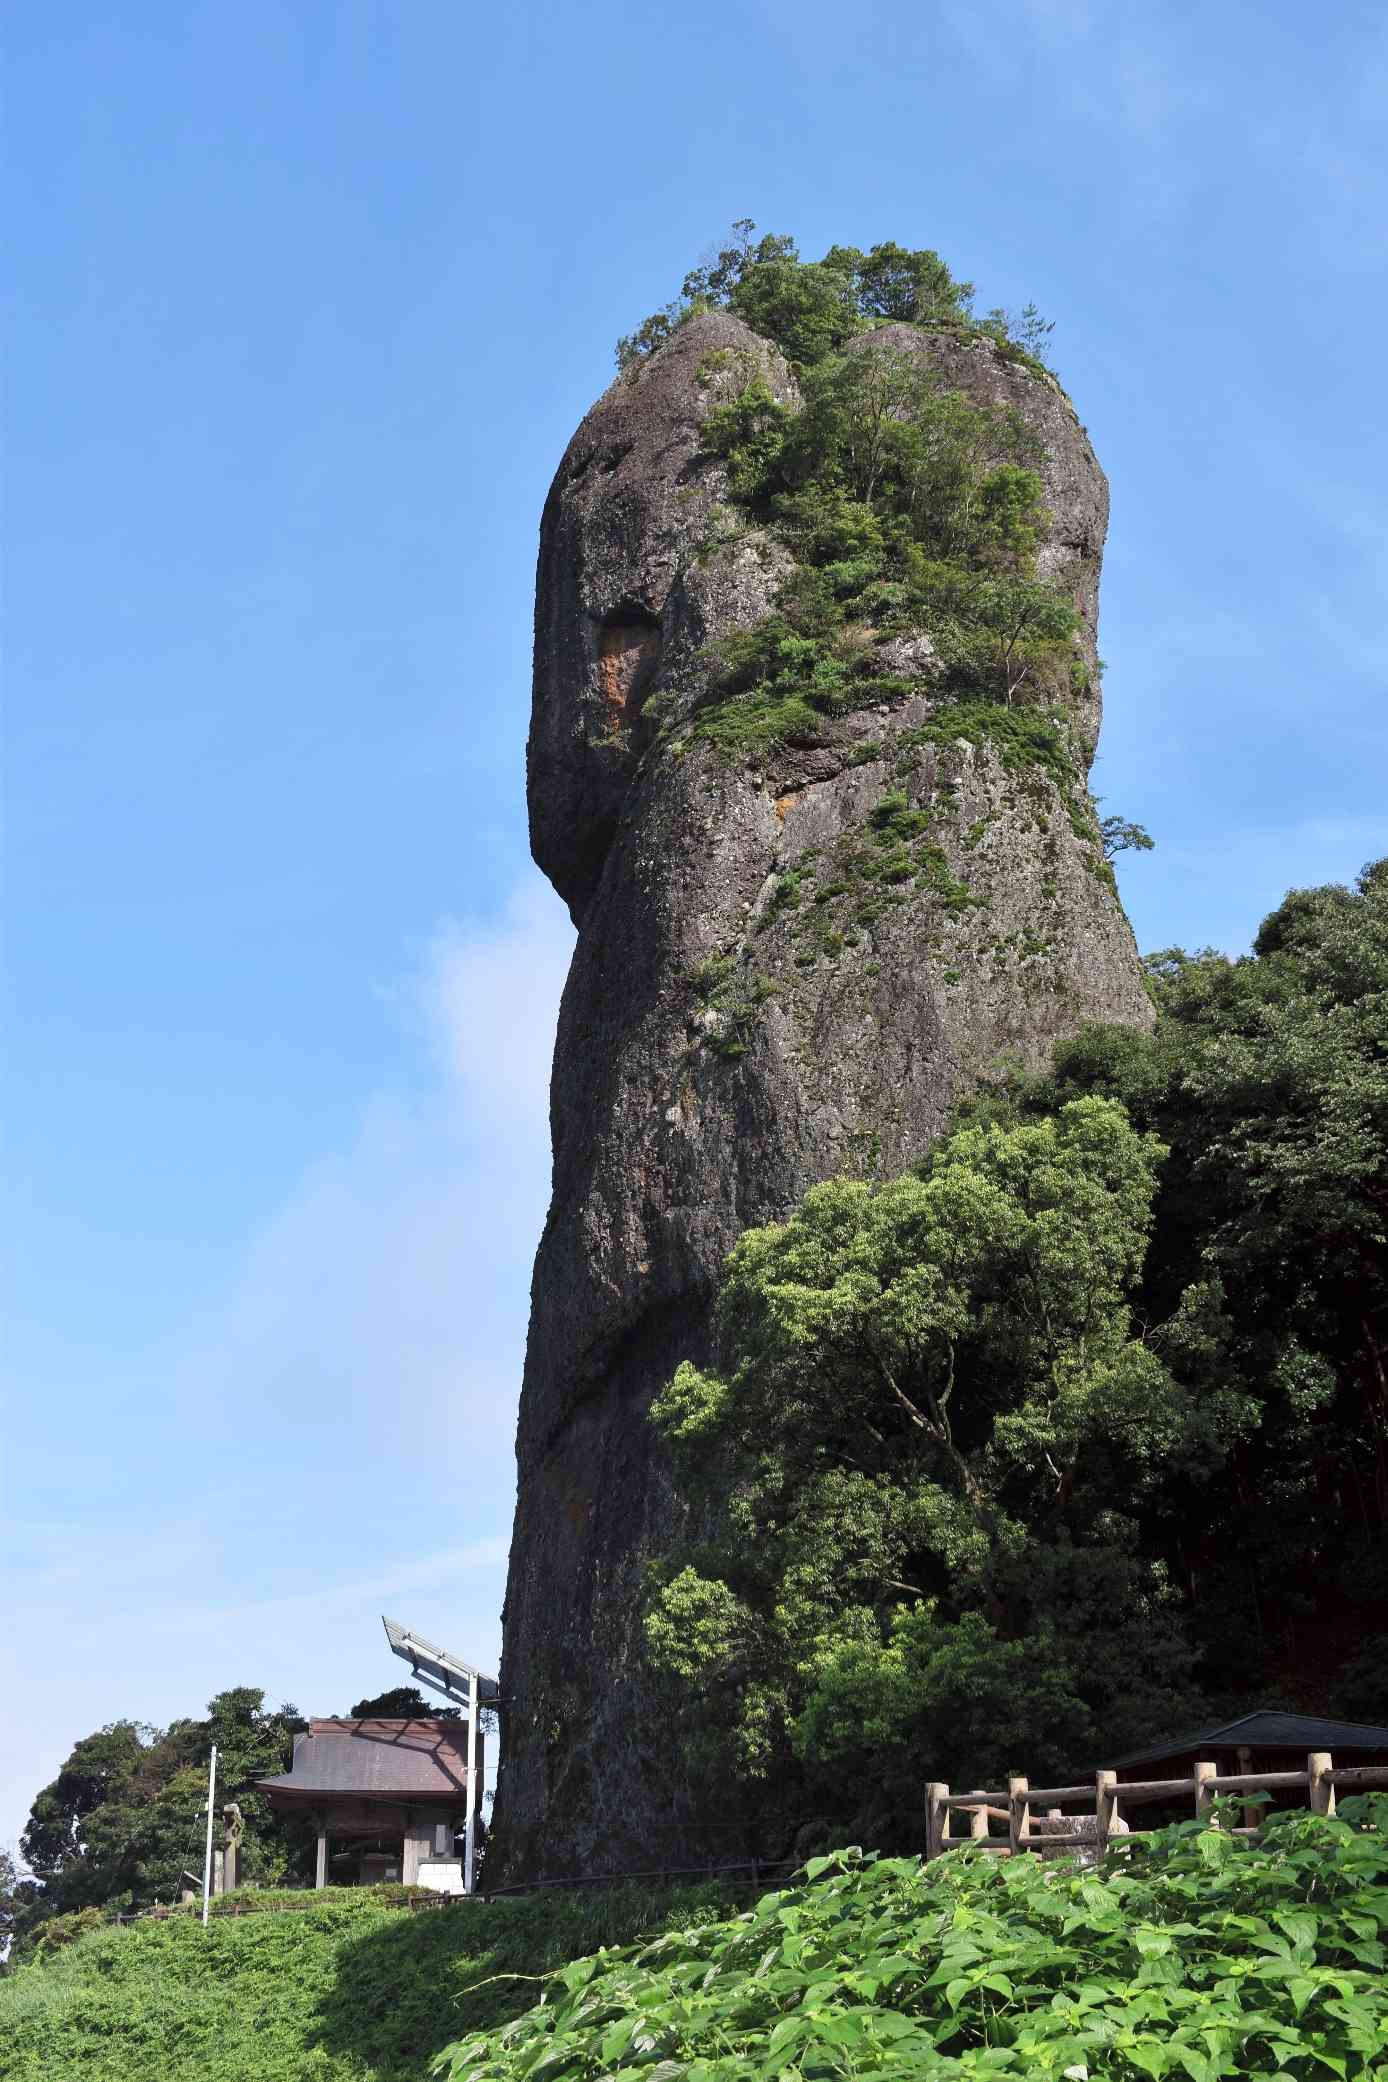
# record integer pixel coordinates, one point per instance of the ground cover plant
(343, 1988)
(1192, 1955)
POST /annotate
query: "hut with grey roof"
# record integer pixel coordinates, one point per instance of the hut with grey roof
(389, 1799)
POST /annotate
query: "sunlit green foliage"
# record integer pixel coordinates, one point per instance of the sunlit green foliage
(340, 1989)
(1121, 835)
(909, 510)
(1078, 1436)
(1192, 1955)
(916, 1467)
(907, 507)
(1267, 1078)
(124, 1818)
(810, 308)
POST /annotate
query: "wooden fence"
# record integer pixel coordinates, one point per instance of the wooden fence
(1100, 1800)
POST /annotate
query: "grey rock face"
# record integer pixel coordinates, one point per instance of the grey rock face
(725, 1040)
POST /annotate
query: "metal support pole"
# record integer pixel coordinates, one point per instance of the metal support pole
(470, 1827)
(207, 1854)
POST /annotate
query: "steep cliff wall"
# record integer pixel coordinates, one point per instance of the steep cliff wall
(791, 960)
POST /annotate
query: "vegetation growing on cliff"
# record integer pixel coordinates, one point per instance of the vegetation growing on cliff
(1077, 1434)
(812, 308)
(934, 1420)
(913, 516)
(911, 511)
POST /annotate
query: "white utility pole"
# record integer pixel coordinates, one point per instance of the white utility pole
(470, 1828)
(207, 1854)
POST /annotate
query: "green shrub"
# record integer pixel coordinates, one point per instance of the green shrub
(1190, 1954)
(810, 308)
(906, 506)
(341, 1989)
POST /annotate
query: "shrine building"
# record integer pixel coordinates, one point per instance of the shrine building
(389, 1799)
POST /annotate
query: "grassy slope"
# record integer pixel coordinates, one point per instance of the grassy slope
(1191, 1955)
(347, 1991)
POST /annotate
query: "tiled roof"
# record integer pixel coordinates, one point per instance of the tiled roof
(382, 1760)
(1295, 1731)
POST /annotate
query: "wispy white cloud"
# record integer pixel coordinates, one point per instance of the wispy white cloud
(337, 1433)
(492, 999)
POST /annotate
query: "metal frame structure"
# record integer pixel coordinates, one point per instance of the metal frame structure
(466, 1686)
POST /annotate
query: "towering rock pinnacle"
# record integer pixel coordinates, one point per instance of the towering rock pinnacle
(726, 1040)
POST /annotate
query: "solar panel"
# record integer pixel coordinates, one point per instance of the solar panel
(443, 1672)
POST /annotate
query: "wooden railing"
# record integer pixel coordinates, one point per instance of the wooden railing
(1100, 1799)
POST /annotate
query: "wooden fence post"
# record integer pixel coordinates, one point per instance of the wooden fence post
(978, 1821)
(1105, 1799)
(1319, 1763)
(936, 1817)
(1252, 1816)
(1018, 1813)
(1203, 1795)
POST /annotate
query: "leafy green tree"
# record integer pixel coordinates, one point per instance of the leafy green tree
(125, 1817)
(404, 1702)
(918, 1467)
(897, 284)
(807, 309)
(1080, 1434)
(105, 1770)
(1026, 333)
(811, 308)
(18, 1893)
(1267, 1079)
(1119, 835)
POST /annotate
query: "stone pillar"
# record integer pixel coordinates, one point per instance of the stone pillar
(321, 1880)
(418, 1846)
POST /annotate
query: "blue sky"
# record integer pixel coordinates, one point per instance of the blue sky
(309, 300)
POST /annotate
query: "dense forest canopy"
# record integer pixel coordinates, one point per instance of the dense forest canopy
(1074, 1436)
